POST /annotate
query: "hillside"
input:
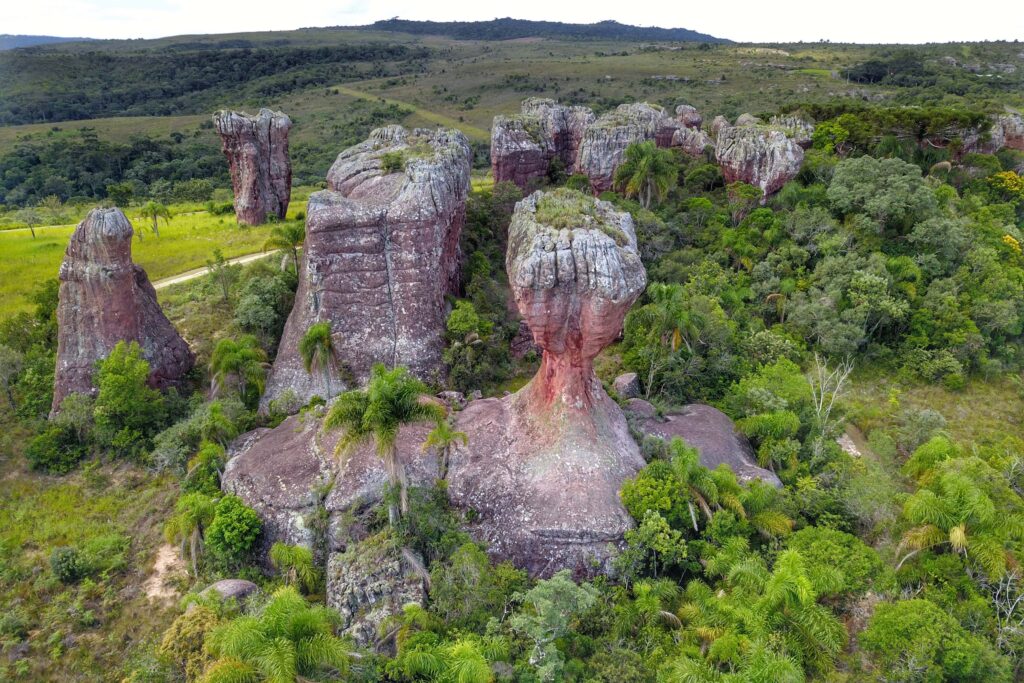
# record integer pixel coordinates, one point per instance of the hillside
(512, 29)
(10, 42)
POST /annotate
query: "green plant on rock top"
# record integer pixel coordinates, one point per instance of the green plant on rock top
(316, 348)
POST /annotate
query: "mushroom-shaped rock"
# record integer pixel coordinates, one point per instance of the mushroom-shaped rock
(605, 141)
(381, 253)
(261, 171)
(104, 299)
(543, 467)
(758, 155)
(524, 145)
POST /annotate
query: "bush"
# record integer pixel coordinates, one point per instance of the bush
(67, 565)
(466, 591)
(128, 412)
(56, 451)
(234, 530)
(182, 644)
(823, 547)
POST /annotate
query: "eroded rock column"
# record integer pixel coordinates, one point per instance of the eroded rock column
(261, 171)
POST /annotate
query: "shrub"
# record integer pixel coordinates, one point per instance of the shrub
(182, 644)
(467, 590)
(392, 162)
(56, 451)
(929, 454)
(234, 529)
(67, 564)
(128, 412)
(823, 547)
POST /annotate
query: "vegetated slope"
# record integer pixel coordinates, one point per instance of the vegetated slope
(10, 42)
(508, 28)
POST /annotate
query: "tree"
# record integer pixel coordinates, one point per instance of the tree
(120, 194)
(646, 172)
(30, 217)
(316, 349)
(287, 238)
(128, 412)
(154, 211)
(11, 363)
(392, 398)
(53, 207)
(442, 438)
(193, 513)
(288, 640)
(889, 191)
(241, 362)
(233, 531)
(222, 273)
(296, 564)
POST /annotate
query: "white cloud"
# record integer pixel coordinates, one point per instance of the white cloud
(867, 21)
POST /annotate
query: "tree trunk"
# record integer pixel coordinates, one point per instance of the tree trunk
(156, 225)
(33, 231)
(391, 464)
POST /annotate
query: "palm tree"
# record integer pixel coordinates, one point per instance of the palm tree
(217, 426)
(317, 351)
(442, 438)
(956, 511)
(289, 640)
(296, 564)
(287, 237)
(243, 361)
(392, 398)
(154, 211)
(646, 173)
(192, 514)
(695, 480)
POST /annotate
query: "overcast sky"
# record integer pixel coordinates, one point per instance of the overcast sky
(860, 21)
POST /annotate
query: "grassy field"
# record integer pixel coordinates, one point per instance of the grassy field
(185, 243)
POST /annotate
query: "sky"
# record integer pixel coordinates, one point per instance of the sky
(861, 21)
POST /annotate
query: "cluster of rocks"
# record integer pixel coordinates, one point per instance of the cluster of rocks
(381, 253)
(105, 298)
(524, 145)
(261, 170)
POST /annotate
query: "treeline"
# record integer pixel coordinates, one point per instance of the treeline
(507, 29)
(166, 82)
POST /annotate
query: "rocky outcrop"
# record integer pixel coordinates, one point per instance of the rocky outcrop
(231, 589)
(381, 253)
(692, 141)
(689, 116)
(799, 130)
(627, 385)
(1009, 128)
(758, 155)
(104, 299)
(605, 142)
(524, 145)
(707, 429)
(261, 171)
(543, 467)
(718, 124)
(747, 120)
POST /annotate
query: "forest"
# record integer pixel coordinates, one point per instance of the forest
(863, 328)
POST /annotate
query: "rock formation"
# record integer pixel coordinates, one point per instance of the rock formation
(692, 141)
(104, 299)
(543, 467)
(524, 145)
(605, 141)
(381, 254)
(707, 429)
(758, 155)
(797, 129)
(261, 171)
(689, 116)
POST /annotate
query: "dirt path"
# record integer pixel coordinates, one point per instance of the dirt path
(167, 565)
(434, 117)
(199, 272)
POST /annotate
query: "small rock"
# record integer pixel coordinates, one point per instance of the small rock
(627, 385)
(476, 395)
(455, 400)
(237, 589)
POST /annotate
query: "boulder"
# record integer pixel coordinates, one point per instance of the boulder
(524, 145)
(707, 429)
(692, 141)
(231, 589)
(380, 256)
(605, 141)
(747, 120)
(1011, 130)
(758, 155)
(104, 299)
(542, 467)
(689, 116)
(718, 124)
(261, 171)
(627, 385)
(799, 130)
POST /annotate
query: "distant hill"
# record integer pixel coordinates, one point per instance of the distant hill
(9, 42)
(507, 29)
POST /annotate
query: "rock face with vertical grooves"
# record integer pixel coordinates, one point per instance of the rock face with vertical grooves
(543, 467)
(104, 299)
(381, 254)
(261, 171)
(605, 141)
(757, 155)
(524, 145)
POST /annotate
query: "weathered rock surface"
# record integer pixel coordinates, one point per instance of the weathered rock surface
(693, 141)
(104, 299)
(370, 583)
(1011, 131)
(605, 141)
(524, 145)
(381, 254)
(627, 385)
(718, 124)
(689, 116)
(231, 589)
(543, 467)
(758, 155)
(261, 170)
(707, 429)
(747, 120)
(797, 129)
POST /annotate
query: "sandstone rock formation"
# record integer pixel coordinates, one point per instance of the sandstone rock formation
(747, 120)
(261, 171)
(689, 116)
(707, 429)
(627, 385)
(797, 129)
(543, 466)
(1008, 132)
(104, 299)
(758, 155)
(523, 145)
(381, 254)
(231, 589)
(605, 141)
(692, 141)
(718, 124)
